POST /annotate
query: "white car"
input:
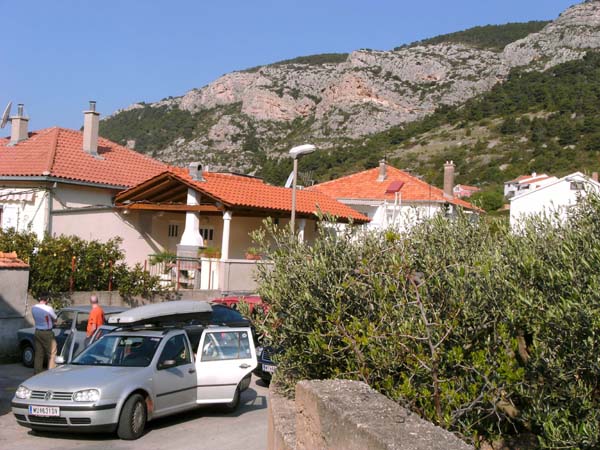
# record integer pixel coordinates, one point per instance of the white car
(144, 369)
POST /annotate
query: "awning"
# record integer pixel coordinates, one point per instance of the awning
(16, 196)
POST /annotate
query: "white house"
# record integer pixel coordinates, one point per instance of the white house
(59, 181)
(526, 183)
(557, 196)
(392, 197)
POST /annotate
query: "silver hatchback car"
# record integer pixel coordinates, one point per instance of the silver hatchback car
(132, 376)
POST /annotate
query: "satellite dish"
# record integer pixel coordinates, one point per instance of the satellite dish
(5, 115)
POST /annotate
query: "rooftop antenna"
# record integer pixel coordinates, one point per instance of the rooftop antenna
(5, 115)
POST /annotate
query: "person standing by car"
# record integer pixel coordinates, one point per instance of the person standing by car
(96, 318)
(44, 341)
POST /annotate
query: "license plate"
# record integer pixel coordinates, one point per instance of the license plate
(46, 411)
(268, 368)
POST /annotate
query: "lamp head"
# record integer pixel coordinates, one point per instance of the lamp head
(301, 150)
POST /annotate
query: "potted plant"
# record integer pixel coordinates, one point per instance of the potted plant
(164, 258)
(210, 252)
(252, 253)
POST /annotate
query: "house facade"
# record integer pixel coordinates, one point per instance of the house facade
(59, 181)
(555, 197)
(191, 209)
(393, 198)
(526, 183)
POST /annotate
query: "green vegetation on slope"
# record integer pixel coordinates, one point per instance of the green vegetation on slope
(152, 128)
(535, 121)
(491, 37)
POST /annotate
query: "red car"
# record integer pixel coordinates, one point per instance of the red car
(232, 301)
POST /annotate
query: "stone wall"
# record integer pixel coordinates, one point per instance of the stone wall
(349, 415)
(13, 308)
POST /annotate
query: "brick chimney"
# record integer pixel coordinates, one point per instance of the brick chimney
(382, 171)
(449, 179)
(91, 123)
(18, 126)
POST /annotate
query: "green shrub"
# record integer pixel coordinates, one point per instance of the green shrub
(484, 332)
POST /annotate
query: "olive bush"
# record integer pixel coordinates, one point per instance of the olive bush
(488, 333)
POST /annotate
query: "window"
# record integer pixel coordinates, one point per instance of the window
(176, 349)
(64, 319)
(82, 321)
(576, 185)
(207, 234)
(173, 230)
(223, 345)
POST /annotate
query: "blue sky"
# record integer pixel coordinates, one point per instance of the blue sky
(57, 55)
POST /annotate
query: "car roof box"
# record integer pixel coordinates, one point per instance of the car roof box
(166, 312)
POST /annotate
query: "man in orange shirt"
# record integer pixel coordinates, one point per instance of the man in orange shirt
(96, 317)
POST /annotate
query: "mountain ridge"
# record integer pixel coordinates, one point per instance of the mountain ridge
(245, 119)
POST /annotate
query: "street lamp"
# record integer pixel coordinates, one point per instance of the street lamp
(296, 153)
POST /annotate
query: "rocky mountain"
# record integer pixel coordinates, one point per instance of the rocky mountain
(245, 118)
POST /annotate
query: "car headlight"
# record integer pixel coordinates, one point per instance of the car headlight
(259, 350)
(23, 392)
(88, 395)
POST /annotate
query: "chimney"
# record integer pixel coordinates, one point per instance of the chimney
(195, 171)
(595, 176)
(449, 179)
(382, 171)
(18, 127)
(91, 122)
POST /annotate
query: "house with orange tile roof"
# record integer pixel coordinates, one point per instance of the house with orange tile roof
(464, 190)
(59, 181)
(392, 197)
(220, 210)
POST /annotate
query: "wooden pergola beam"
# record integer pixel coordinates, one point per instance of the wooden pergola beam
(169, 207)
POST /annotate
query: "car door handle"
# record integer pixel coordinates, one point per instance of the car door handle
(244, 366)
(192, 371)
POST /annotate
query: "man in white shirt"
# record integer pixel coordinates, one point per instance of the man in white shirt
(45, 343)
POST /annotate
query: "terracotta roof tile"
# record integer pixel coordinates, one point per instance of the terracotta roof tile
(364, 186)
(58, 152)
(243, 191)
(11, 261)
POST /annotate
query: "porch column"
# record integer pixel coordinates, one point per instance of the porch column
(191, 239)
(226, 232)
(301, 226)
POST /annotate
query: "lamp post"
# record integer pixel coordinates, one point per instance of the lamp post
(296, 153)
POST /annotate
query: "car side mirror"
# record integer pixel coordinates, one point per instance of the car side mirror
(167, 364)
(59, 359)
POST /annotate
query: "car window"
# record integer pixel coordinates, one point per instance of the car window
(64, 319)
(223, 345)
(114, 350)
(82, 321)
(176, 349)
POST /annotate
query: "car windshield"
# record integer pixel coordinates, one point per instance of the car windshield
(122, 351)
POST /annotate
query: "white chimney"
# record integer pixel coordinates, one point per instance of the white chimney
(382, 171)
(18, 131)
(195, 171)
(449, 179)
(91, 123)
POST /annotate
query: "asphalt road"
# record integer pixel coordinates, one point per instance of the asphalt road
(202, 429)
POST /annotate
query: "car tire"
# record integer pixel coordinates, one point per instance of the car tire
(245, 383)
(133, 418)
(27, 355)
(233, 404)
(266, 380)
